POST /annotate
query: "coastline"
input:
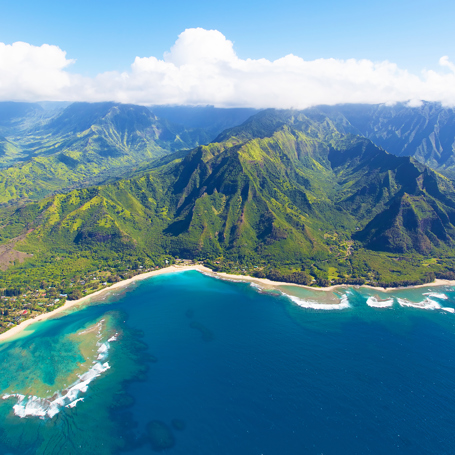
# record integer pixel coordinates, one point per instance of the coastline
(436, 282)
(16, 330)
(267, 282)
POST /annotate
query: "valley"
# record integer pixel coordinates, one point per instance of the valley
(293, 196)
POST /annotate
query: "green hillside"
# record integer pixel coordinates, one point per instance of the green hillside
(282, 195)
(86, 144)
(16, 117)
(426, 132)
(8, 150)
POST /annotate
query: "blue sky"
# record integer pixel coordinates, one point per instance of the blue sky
(108, 35)
(239, 53)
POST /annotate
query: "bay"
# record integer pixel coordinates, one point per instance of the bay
(198, 365)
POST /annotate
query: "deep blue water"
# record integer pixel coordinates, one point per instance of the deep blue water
(246, 372)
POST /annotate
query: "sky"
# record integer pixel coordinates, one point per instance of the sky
(236, 53)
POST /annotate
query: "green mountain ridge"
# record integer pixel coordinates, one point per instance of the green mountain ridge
(294, 196)
(86, 144)
(16, 116)
(279, 189)
(426, 132)
(8, 149)
(209, 119)
(59, 148)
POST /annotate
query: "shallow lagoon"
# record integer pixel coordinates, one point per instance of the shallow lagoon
(198, 365)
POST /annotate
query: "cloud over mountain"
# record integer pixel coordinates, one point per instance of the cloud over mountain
(203, 68)
(30, 73)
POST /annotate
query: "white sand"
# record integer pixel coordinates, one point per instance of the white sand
(15, 331)
(436, 282)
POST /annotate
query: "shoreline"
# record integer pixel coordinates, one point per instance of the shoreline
(16, 330)
(267, 282)
(436, 282)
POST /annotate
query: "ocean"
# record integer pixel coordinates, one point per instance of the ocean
(188, 364)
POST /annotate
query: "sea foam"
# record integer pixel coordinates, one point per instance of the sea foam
(375, 303)
(426, 304)
(103, 351)
(74, 403)
(49, 407)
(437, 295)
(448, 309)
(343, 304)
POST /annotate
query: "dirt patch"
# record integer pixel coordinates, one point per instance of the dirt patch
(8, 254)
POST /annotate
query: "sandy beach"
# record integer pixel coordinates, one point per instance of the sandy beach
(268, 283)
(16, 330)
(436, 282)
(264, 282)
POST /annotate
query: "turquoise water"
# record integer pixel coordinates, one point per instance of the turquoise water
(188, 364)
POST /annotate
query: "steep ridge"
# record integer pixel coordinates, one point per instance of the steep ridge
(8, 150)
(286, 195)
(86, 144)
(209, 120)
(426, 132)
(278, 186)
(16, 116)
(413, 207)
(109, 129)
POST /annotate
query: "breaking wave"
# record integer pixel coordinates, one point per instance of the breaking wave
(307, 303)
(426, 304)
(448, 309)
(437, 295)
(375, 303)
(343, 304)
(27, 406)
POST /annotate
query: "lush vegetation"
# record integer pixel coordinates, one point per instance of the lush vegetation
(426, 131)
(83, 145)
(42, 285)
(282, 196)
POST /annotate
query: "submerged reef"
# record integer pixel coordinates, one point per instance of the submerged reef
(160, 435)
(65, 424)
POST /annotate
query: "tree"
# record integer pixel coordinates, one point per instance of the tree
(75, 295)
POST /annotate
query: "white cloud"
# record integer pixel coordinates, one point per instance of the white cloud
(444, 61)
(31, 73)
(203, 68)
(200, 46)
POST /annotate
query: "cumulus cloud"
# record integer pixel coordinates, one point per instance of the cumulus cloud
(30, 73)
(203, 68)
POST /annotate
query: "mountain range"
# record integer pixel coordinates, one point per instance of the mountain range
(426, 131)
(84, 144)
(282, 191)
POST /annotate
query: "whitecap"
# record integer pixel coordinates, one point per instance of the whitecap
(104, 347)
(375, 303)
(48, 407)
(448, 309)
(103, 351)
(223, 278)
(74, 403)
(343, 304)
(113, 338)
(437, 295)
(426, 304)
